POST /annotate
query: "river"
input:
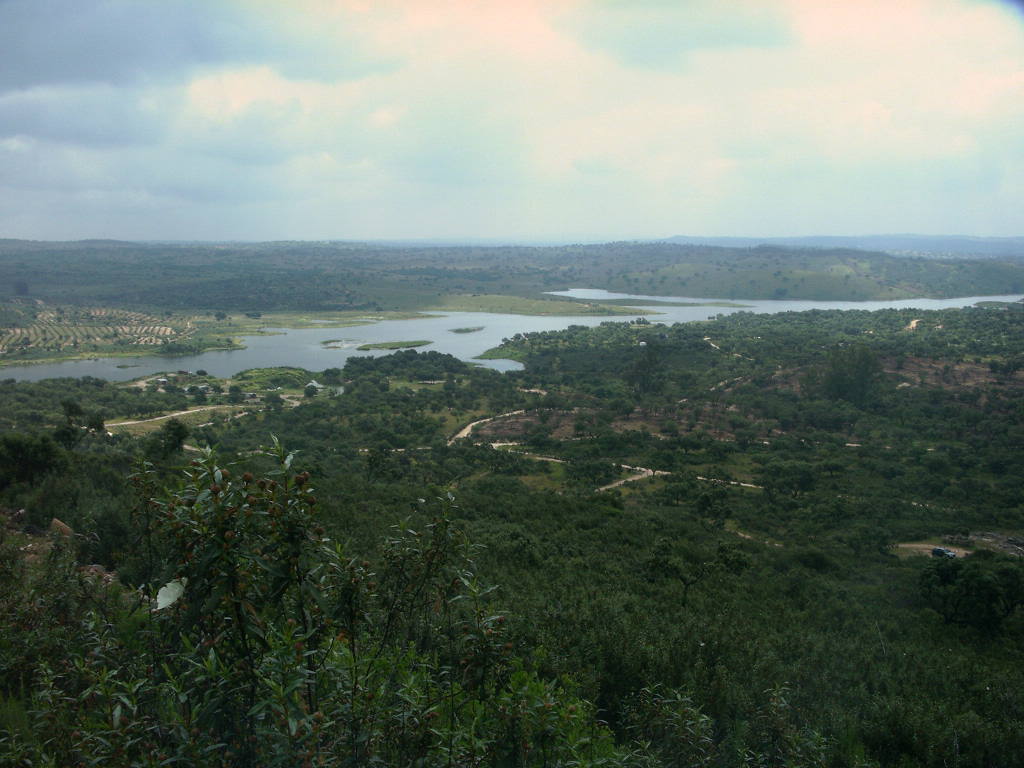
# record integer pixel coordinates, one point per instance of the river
(305, 348)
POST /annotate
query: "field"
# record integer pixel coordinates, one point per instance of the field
(40, 330)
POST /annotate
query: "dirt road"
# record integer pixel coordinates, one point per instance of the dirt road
(467, 430)
(165, 416)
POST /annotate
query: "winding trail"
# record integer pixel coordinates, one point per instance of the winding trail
(737, 483)
(467, 430)
(640, 473)
(165, 416)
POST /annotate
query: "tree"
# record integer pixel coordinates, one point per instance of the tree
(23, 458)
(169, 439)
(979, 591)
(72, 410)
(790, 477)
(269, 644)
(70, 433)
(94, 423)
(852, 374)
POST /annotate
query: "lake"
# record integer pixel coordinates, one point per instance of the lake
(304, 348)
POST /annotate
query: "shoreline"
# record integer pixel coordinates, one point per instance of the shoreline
(269, 326)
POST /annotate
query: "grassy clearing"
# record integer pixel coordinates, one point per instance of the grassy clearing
(498, 353)
(415, 385)
(551, 478)
(225, 333)
(452, 421)
(285, 377)
(666, 303)
(923, 548)
(520, 305)
(394, 345)
(240, 324)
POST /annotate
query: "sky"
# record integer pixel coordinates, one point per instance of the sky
(509, 119)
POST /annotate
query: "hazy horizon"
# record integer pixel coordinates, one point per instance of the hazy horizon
(538, 242)
(532, 121)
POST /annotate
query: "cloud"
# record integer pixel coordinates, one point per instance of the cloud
(90, 114)
(660, 33)
(539, 118)
(47, 42)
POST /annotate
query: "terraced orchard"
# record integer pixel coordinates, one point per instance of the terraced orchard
(33, 330)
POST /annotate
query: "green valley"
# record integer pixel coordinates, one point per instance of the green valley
(708, 539)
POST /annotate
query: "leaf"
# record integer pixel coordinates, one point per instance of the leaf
(170, 593)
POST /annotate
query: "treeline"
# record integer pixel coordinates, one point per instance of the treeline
(39, 404)
(338, 276)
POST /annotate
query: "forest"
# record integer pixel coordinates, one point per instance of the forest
(264, 277)
(706, 544)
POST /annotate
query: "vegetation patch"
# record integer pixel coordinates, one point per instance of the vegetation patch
(35, 331)
(394, 345)
(500, 353)
(521, 305)
(333, 600)
(268, 378)
(668, 303)
(192, 417)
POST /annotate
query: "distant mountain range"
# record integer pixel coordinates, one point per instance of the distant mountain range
(929, 246)
(916, 245)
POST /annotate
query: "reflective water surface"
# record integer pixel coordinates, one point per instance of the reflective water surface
(305, 348)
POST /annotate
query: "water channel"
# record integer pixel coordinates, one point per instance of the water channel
(306, 348)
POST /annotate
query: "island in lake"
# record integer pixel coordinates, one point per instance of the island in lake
(393, 345)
